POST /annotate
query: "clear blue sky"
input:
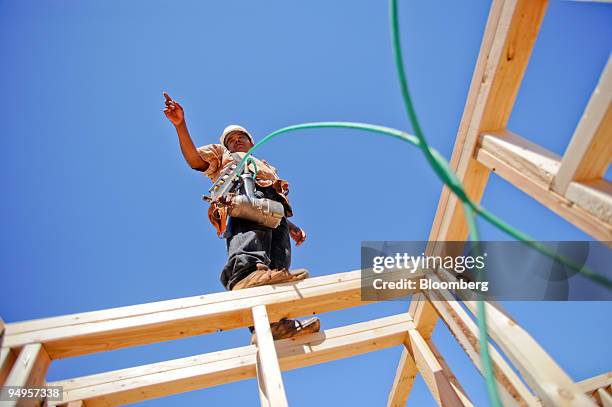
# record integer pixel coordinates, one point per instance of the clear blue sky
(99, 210)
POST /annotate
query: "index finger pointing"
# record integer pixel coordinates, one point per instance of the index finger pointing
(168, 98)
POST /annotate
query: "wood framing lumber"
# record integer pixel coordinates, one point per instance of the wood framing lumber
(263, 397)
(404, 379)
(532, 168)
(196, 372)
(343, 342)
(261, 384)
(92, 317)
(599, 388)
(164, 321)
(444, 300)
(593, 196)
(441, 382)
(531, 160)
(593, 383)
(589, 153)
(513, 391)
(7, 359)
(2, 328)
(540, 371)
(457, 388)
(269, 377)
(510, 33)
(29, 370)
(160, 379)
(604, 398)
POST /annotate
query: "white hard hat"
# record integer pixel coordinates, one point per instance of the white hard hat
(232, 128)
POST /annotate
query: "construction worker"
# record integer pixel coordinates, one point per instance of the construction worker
(257, 255)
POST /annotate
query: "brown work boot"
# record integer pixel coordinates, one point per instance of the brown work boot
(290, 328)
(263, 275)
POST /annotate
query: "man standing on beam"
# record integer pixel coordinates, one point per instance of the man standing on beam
(259, 250)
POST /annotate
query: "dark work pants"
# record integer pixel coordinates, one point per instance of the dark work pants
(249, 243)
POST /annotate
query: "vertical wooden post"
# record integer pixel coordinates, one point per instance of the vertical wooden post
(2, 329)
(7, 360)
(261, 385)
(269, 376)
(29, 370)
(404, 379)
(439, 379)
(604, 398)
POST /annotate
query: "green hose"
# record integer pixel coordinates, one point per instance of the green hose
(252, 161)
(453, 182)
(469, 209)
(450, 179)
(468, 205)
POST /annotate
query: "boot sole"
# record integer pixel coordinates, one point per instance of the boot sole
(295, 275)
(309, 326)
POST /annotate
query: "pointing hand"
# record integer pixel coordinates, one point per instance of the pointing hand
(174, 111)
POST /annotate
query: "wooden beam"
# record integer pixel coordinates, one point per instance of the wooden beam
(203, 314)
(2, 329)
(532, 168)
(456, 386)
(161, 379)
(441, 382)
(404, 379)
(596, 382)
(7, 359)
(261, 384)
(595, 197)
(540, 371)
(269, 374)
(510, 33)
(603, 397)
(599, 388)
(185, 304)
(550, 382)
(589, 153)
(29, 370)
(196, 372)
(533, 161)
(513, 391)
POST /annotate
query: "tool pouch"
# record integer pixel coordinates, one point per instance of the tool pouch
(238, 199)
(264, 211)
(217, 215)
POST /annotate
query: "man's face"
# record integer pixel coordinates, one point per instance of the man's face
(237, 141)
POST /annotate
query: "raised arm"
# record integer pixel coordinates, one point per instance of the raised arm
(175, 113)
